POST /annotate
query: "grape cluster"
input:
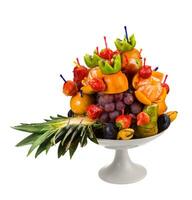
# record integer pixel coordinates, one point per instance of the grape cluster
(116, 104)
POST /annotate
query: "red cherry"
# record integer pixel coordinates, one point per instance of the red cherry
(165, 85)
(94, 111)
(79, 72)
(145, 71)
(69, 87)
(106, 53)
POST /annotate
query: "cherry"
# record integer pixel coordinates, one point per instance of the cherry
(80, 72)
(106, 53)
(69, 87)
(165, 85)
(145, 71)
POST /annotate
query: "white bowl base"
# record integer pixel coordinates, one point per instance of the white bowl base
(122, 170)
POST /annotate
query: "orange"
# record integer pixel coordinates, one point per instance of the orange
(162, 107)
(131, 61)
(158, 75)
(80, 103)
(116, 83)
(95, 73)
(142, 98)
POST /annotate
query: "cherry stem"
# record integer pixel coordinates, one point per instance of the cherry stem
(97, 50)
(165, 78)
(126, 34)
(81, 93)
(140, 51)
(77, 59)
(63, 78)
(156, 68)
(144, 62)
(105, 40)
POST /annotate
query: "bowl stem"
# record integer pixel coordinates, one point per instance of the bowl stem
(122, 170)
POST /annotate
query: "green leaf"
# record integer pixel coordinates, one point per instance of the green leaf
(28, 140)
(83, 140)
(68, 133)
(39, 141)
(91, 135)
(73, 136)
(73, 148)
(61, 151)
(41, 148)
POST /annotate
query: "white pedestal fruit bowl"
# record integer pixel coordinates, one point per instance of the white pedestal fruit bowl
(122, 170)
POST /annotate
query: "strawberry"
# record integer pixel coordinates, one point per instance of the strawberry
(142, 119)
(97, 84)
(123, 121)
(94, 111)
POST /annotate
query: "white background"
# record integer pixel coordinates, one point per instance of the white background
(41, 39)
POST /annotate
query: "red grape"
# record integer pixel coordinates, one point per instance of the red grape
(136, 107)
(109, 107)
(113, 115)
(104, 117)
(120, 106)
(118, 97)
(128, 98)
(108, 98)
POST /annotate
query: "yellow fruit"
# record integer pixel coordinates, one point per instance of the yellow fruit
(172, 115)
(80, 103)
(125, 134)
(142, 98)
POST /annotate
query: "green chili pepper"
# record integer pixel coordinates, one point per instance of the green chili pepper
(124, 45)
(107, 68)
(91, 61)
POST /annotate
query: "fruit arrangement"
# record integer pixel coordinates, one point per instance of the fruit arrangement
(115, 96)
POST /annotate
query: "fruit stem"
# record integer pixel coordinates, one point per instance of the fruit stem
(140, 51)
(78, 63)
(105, 40)
(97, 50)
(165, 78)
(156, 68)
(144, 62)
(63, 78)
(81, 93)
(126, 34)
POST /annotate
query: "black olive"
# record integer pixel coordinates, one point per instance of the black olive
(163, 122)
